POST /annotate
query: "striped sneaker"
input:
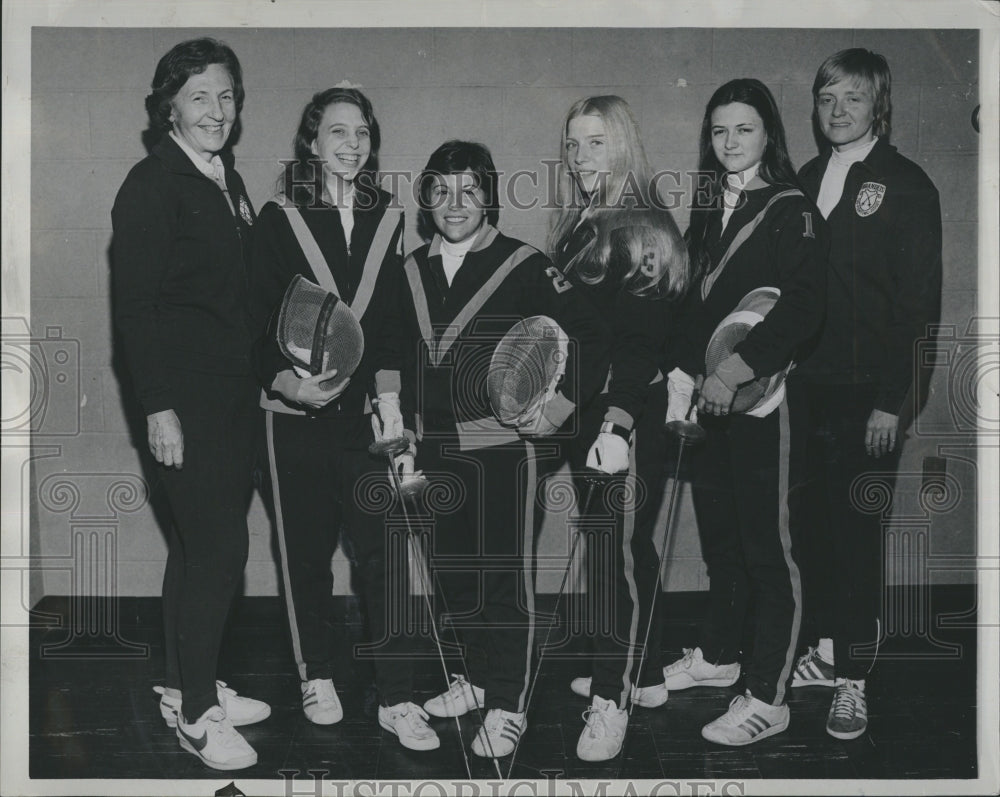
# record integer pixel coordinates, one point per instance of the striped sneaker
(645, 696)
(813, 670)
(848, 717)
(320, 702)
(498, 734)
(460, 698)
(239, 709)
(748, 720)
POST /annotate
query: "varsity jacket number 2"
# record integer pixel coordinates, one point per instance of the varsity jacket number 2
(452, 332)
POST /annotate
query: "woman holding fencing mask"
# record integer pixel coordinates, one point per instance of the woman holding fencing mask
(334, 226)
(620, 247)
(467, 287)
(759, 248)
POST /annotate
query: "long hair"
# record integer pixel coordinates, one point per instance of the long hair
(455, 157)
(859, 64)
(635, 239)
(302, 178)
(775, 165)
(183, 60)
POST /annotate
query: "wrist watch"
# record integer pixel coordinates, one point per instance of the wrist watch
(613, 428)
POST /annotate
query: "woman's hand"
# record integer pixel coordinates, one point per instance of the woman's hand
(166, 439)
(312, 391)
(880, 433)
(715, 397)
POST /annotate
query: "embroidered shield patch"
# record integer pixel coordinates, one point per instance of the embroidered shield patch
(869, 198)
(245, 210)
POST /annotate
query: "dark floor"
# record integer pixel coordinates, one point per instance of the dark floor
(94, 714)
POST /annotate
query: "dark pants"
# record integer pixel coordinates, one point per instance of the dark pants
(740, 498)
(841, 541)
(208, 546)
(481, 505)
(324, 480)
(624, 569)
(622, 560)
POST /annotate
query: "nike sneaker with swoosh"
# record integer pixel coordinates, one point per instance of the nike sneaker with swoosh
(215, 741)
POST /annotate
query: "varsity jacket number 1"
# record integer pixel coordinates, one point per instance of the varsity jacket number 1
(776, 239)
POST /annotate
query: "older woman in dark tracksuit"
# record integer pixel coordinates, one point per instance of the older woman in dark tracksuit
(181, 223)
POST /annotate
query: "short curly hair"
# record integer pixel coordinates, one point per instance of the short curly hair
(185, 59)
(455, 157)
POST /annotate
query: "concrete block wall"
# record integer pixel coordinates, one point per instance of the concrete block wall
(507, 88)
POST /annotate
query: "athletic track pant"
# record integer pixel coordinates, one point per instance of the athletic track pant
(740, 489)
(323, 480)
(481, 513)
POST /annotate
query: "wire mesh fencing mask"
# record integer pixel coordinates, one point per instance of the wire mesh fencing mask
(525, 370)
(317, 331)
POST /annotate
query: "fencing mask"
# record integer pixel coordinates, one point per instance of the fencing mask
(525, 369)
(317, 331)
(762, 395)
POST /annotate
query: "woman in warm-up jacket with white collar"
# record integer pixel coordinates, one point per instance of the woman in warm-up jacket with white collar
(753, 229)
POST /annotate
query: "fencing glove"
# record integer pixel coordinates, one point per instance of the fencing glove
(680, 389)
(609, 453)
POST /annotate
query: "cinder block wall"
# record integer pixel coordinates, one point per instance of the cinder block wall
(506, 88)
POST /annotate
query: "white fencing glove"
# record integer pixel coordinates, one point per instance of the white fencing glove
(680, 389)
(609, 453)
(404, 462)
(390, 415)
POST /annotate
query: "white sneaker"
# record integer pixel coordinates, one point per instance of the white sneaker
(748, 720)
(460, 698)
(693, 670)
(239, 709)
(604, 734)
(645, 696)
(215, 741)
(498, 734)
(320, 702)
(409, 722)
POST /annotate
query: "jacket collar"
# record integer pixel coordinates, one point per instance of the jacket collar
(877, 162)
(487, 235)
(176, 160)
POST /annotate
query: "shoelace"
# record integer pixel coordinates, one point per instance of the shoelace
(494, 721)
(597, 719)
(220, 726)
(457, 686)
(809, 655)
(739, 710)
(684, 663)
(845, 701)
(416, 718)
